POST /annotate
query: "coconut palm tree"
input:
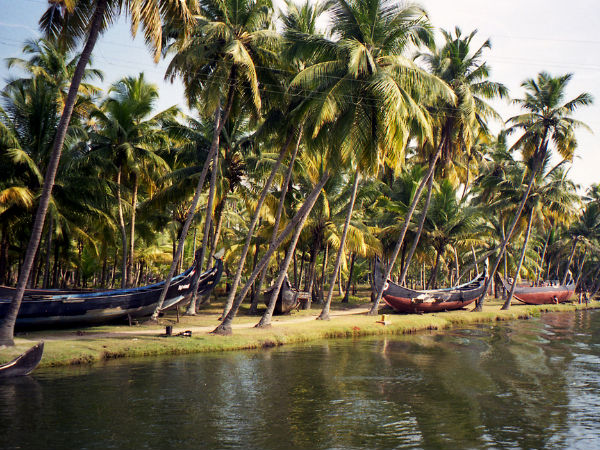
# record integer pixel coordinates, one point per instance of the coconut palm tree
(75, 21)
(456, 122)
(129, 136)
(548, 124)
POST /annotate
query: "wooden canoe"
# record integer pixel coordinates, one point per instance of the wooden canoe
(23, 364)
(541, 295)
(406, 300)
(62, 308)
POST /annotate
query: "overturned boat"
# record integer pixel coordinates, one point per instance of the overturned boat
(406, 300)
(41, 308)
(546, 294)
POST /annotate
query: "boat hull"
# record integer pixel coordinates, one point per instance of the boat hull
(408, 305)
(287, 299)
(23, 364)
(405, 300)
(542, 295)
(88, 308)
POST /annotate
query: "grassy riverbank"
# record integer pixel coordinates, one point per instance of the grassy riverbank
(95, 344)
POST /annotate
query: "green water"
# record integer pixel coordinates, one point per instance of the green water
(528, 384)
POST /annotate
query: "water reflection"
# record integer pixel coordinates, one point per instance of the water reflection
(527, 384)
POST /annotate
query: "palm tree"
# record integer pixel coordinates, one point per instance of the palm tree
(547, 123)
(363, 89)
(129, 137)
(456, 122)
(234, 38)
(84, 19)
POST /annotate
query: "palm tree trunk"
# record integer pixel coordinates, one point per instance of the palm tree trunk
(413, 248)
(7, 324)
(238, 274)
(191, 311)
(278, 214)
(225, 327)
(580, 269)
(511, 229)
(131, 262)
(570, 260)
(338, 259)
(209, 210)
(347, 295)
(217, 234)
(521, 259)
(218, 126)
(434, 272)
(265, 320)
(537, 279)
(407, 219)
(123, 231)
(46, 282)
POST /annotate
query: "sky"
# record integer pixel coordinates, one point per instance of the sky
(527, 36)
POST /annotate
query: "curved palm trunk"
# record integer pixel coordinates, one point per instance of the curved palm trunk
(338, 259)
(7, 325)
(265, 320)
(407, 220)
(238, 274)
(225, 327)
(349, 284)
(580, 269)
(570, 260)
(123, 230)
(542, 258)
(284, 189)
(218, 126)
(130, 281)
(191, 311)
(509, 234)
(413, 248)
(521, 259)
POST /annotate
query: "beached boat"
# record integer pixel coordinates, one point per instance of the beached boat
(541, 295)
(288, 299)
(406, 300)
(58, 308)
(23, 364)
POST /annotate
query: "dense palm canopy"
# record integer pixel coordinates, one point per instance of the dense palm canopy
(322, 149)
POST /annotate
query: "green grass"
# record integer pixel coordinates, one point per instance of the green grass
(95, 344)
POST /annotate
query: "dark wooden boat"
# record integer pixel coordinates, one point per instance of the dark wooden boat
(288, 299)
(406, 300)
(59, 308)
(23, 364)
(541, 295)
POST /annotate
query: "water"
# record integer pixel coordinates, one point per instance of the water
(528, 384)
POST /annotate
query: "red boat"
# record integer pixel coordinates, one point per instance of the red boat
(541, 295)
(406, 300)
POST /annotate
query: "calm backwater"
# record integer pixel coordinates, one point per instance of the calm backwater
(528, 384)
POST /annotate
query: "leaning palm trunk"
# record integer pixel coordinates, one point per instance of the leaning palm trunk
(218, 126)
(132, 231)
(407, 220)
(123, 231)
(7, 325)
(265, 320)
(542, 258)
(263, 195)
(225, 327)
(284, 189)
(569, 261)
(191, 311)
(521, 259)
(509, 234)
(338, 259)
(413, 248)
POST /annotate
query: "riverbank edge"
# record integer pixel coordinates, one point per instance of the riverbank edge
(91, 348)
